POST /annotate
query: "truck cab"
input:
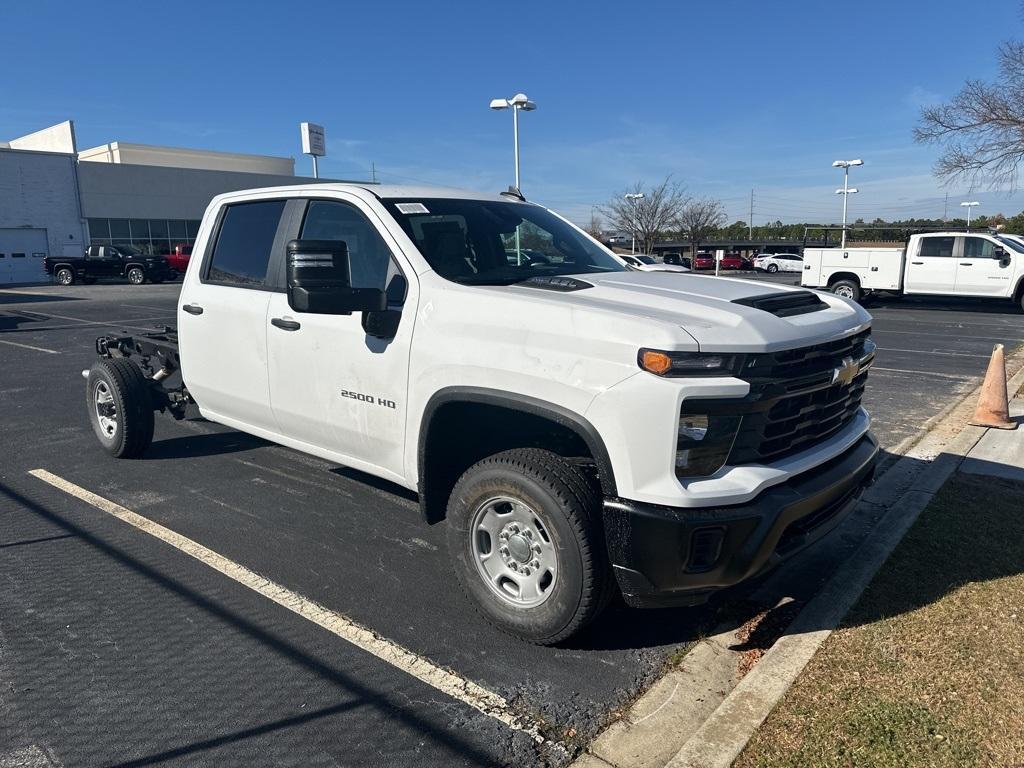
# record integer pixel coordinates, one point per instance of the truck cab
(970, 264)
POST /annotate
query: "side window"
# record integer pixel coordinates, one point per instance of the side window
(368, 254)
(937, 246)
(978, 248)
(246, 237)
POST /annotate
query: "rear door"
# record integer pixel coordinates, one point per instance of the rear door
(222, 316)
(932, 269)
(983, 267)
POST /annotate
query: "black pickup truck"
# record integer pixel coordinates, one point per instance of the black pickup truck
(105, 261)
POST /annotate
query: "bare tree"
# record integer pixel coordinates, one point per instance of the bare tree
(649, 216)
(594, 225)
(982, 127)
(699, 219)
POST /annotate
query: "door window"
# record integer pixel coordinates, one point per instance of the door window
(978, 248)
(246, 238)
(369, 256)
(937, 246)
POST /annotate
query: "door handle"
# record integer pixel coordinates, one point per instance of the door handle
(966, 263)
(192, 309)
(285, 325)
(917, 262)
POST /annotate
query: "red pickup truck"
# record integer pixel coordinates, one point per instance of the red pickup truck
(178, 258)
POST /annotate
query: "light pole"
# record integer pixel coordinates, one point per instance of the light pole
(516, 103)
(633, 197)
(968, 206)
(845, 191)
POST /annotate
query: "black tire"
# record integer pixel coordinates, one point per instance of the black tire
(849, 289)
(130, 407)
(64, 276)
(566, 502)
(136, 276)
(772, 268)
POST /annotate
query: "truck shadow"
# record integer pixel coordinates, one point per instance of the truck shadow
(10, 297)
(943, 304)
(212, 444)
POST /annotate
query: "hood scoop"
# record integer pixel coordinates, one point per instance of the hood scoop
(785, 304)
(557, 283)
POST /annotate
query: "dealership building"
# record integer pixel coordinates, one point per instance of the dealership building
(56, 199)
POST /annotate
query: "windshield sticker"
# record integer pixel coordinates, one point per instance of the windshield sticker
(412, 208)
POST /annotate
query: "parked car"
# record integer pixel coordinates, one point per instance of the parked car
(580, 428)
(179, 257)
(102, 261)
(779, 262)
(673, 258)
(645, 263)
(707, 261)
(936, 263)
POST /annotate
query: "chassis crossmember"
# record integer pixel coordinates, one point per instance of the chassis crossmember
(157, 355)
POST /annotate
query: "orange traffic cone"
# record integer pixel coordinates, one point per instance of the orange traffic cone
(993, 406)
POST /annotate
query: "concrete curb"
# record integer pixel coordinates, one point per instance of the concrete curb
(694, 702)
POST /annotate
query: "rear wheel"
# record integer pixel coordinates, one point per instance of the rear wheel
(65, 276)
(848, 289)
(772, 268)
(136, 276)
(526, 545)
(120, 407)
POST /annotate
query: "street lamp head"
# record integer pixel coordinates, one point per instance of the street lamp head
(634, 196)
(499, 104)
(846, 163)
(519, 100)
(851, 191)
(529, 106)
(856, 162)
(970, 204)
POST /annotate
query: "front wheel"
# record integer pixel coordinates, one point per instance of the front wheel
(772, 268)
(136, 276)
(524, 538)
(120, 407)
(848, 289)
(65, 276)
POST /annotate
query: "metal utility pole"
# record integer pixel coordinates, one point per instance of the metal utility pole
(373, 172)
(517, 103)
(945, 210)
(750, 226)
(968, 206)
(633, 197)
(846, 191)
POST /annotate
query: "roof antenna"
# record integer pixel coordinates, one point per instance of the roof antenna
(514, 192)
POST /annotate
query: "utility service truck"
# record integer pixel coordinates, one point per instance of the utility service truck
(938, 263)
(581, 428)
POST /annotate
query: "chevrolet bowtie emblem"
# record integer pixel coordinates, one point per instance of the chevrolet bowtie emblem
(845, 373)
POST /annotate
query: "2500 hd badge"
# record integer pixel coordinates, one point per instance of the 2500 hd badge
(364, 398)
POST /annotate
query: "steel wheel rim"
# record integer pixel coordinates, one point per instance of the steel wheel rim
(106, 409)
(845, 291)
(513, 552)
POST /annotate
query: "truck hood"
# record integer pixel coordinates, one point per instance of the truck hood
(706, 308)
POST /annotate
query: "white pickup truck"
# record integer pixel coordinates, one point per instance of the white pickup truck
(936, 263)
(583, 428)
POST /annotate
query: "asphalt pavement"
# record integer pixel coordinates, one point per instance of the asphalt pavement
(117, 648)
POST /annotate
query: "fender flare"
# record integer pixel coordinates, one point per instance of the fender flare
(516, 402)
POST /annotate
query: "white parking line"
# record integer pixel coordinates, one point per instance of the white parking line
(930, 374)
(932, 352)
(29, 346)
(446, 681)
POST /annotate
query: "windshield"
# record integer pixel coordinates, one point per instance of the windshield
(483, 242)
(1013, 243)
(128, 250)
(646, 259)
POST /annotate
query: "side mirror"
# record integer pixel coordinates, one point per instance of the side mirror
(384, 325)
(999, 253)
(320, 280)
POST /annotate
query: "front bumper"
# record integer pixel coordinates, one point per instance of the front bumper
(665, 556)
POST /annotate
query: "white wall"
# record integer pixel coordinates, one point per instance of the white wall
(118, 152)
(56, 138)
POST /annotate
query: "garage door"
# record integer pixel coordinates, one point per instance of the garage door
(21, 255)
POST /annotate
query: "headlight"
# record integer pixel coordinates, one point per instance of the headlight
(687, 363)
(704, 442)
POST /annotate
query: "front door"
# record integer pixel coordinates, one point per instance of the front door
(332, 385)
(983, 268)
(222, 317)
(932, 269)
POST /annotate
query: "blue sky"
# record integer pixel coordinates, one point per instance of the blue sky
(725, 96)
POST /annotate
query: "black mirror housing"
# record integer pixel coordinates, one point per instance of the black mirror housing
(320, 280)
